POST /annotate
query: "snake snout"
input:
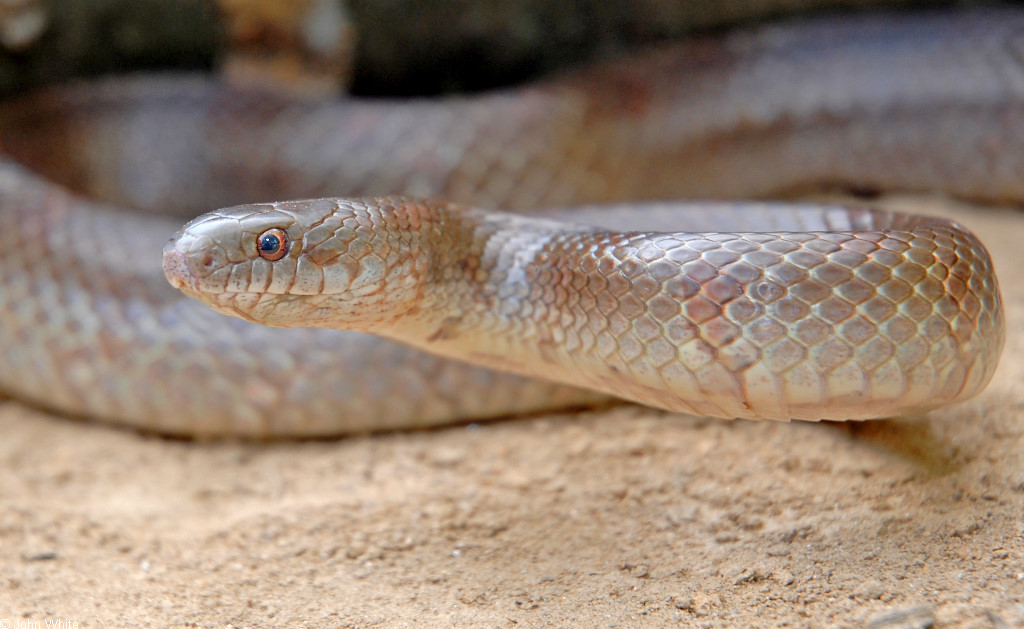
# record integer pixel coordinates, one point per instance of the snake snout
(176, 268)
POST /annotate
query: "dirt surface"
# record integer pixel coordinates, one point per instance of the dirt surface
(619, 518)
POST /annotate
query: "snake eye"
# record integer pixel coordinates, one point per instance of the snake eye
(272, 244)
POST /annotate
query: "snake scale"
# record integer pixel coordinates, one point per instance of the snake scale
(897, 316)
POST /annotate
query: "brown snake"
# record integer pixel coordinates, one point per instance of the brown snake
(896, 318)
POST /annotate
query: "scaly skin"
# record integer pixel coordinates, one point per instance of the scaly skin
(89, 326)
(898, 316)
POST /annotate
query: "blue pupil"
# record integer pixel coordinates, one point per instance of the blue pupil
(270, 244)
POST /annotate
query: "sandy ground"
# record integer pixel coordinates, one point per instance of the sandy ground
(617, 518)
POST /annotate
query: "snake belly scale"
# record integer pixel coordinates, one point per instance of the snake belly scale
(878, 314)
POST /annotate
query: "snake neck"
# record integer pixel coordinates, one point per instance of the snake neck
(491, 277)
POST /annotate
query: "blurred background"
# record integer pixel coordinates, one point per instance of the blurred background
(370, 47)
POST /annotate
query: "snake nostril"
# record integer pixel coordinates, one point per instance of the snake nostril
(207, 260)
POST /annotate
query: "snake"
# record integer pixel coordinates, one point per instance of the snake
(746, 309)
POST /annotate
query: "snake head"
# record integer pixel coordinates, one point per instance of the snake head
(342, 263)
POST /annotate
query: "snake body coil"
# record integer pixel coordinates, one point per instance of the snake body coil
(89, 326)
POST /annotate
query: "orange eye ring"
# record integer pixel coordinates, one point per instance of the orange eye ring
(272, 244)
